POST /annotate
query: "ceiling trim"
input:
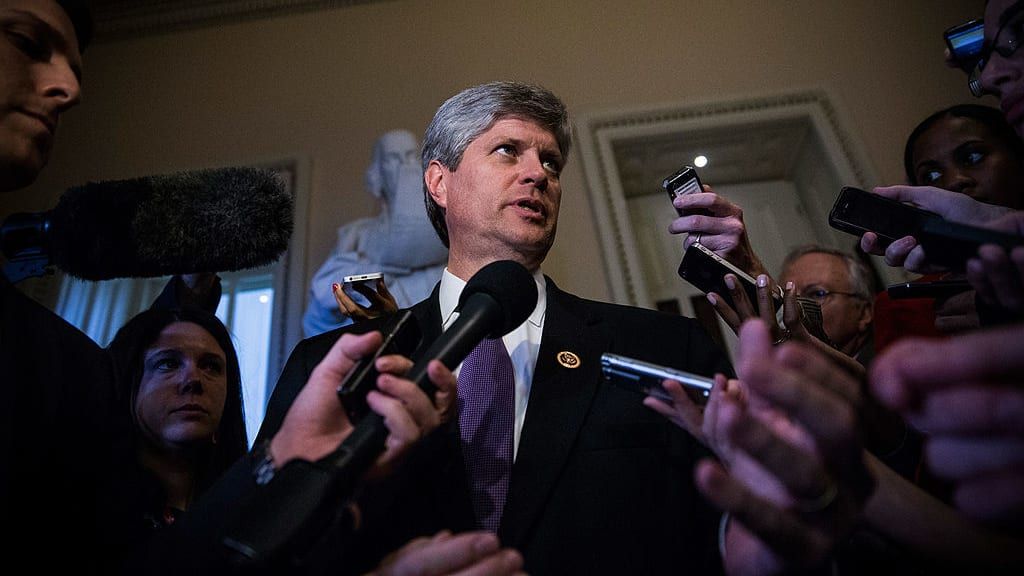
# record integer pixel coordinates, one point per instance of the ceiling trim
(122, 19)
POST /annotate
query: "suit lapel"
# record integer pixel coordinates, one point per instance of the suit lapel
(428, 314)
(560, 398)
(440, 453)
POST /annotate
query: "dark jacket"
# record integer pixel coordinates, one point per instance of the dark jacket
(601, 484)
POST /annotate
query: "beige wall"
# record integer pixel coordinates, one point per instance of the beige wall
(323, 85)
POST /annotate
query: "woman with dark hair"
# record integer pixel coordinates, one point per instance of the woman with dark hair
(970, 149)
(179, 418)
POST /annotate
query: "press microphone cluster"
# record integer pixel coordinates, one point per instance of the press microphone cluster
(303, 496)
(213, 220)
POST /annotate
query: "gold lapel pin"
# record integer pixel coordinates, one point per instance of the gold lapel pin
(568, 359)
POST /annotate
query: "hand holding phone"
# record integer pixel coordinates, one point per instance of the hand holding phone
(706, 270)
(857, 211)
(401, 336)
(965, 42)
(938, 289)
(380, 302)
(951, 245)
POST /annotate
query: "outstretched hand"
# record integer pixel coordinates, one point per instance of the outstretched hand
(953, 206)
(796, 480)
(466, 554)
(701, 421)
(316, 423)
(967, 394)
(996, 274)
(765, 310)
(718, 223)
(792, 327)
(382, 303)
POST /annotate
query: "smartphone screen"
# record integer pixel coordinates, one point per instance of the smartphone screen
(684, 181)
(965, 42)
(857, 212)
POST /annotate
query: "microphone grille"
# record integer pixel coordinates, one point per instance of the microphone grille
(511, 286)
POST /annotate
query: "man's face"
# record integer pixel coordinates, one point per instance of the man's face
(846, 318)
(40, 69)
(502, 202)
(1003, 76)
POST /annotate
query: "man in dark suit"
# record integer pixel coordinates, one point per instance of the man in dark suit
(600, 483)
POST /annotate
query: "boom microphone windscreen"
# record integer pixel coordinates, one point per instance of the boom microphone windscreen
(213, 220)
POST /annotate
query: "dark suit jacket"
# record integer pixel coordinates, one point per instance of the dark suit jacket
(601, 484)
(56, 390)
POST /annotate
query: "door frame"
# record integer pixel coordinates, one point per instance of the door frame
(598, 132)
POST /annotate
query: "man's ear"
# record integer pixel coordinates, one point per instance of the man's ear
(436, 179)
(867, 314)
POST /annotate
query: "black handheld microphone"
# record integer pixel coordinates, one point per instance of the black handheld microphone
(303, 496)
(214, 220)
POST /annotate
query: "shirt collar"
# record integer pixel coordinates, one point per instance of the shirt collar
(452, 286)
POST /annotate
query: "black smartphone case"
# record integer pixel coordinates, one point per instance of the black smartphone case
(401, 336)
(950, 244)
(856, 212)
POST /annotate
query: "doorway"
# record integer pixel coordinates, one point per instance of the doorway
(782, 158)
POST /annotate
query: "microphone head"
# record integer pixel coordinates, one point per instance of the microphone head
(214, 220)
(511, 286)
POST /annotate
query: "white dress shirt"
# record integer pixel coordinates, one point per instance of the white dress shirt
(522, 343)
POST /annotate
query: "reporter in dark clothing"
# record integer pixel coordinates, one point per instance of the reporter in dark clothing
(54, 379)
(177, 423)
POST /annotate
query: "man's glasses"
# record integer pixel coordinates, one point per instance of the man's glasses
(819, 294)
(1006, 42)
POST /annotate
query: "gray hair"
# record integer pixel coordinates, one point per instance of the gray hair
(860, 276)
(470, 113)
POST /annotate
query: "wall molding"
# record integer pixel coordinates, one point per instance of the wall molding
(123, 19)
(598, 131)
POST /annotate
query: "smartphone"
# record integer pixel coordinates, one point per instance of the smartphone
(684, 181)
(856, 212)
(362, 277)
(706, 270)
(965, 42)
(951, 244)
(937, 289)
(645, 378)
(401, 336)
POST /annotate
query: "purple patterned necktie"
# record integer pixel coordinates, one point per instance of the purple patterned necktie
(486, 397)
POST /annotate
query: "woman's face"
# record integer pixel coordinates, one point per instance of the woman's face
(962, 155)
(184, 387)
